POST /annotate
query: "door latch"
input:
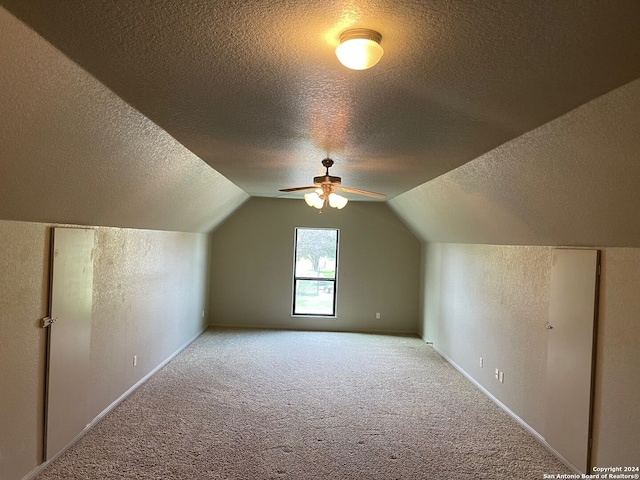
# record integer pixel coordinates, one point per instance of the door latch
(48, 321)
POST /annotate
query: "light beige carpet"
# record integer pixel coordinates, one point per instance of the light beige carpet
(252, 404)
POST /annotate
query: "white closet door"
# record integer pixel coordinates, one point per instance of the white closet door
(69, 337)
(571, 330)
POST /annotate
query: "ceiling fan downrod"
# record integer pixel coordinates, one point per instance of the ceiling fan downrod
(327, 162)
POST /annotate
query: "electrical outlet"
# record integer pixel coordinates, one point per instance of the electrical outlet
(135, 360)
(501, 375)
(481, 362)
(497, 374)
(377, 315)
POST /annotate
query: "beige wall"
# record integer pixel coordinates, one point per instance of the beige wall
(252, 267)
(24, 277)
(493, 301)
(149, 293)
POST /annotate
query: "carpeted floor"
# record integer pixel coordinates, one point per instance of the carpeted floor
(253, 404)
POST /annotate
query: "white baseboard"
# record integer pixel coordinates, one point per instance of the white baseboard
(113, 405)
(508, 411)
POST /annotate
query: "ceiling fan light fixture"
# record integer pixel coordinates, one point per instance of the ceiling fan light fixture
(314, 200)
(337, 201)
(324, 190)
(359, 48)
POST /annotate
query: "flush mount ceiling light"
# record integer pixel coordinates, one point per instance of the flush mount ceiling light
(359, 48)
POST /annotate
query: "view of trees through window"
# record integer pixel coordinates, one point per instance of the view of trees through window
(316, 262)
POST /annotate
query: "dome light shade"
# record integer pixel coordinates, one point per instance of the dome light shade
(319, 199)
(314, 200)
(337, 201)
(359, 48)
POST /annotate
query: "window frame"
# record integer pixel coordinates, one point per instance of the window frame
(295, 278)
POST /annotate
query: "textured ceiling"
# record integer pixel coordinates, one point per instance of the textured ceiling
(71, 151)
(254, 89)
(574, 181)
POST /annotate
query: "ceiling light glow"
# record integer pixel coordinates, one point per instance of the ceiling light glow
(337, 201)
(318, 200)
(359, 48)
(314, 200)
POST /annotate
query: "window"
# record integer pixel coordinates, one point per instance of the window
(315, 272)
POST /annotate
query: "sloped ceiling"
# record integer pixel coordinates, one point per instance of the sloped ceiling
(574, 181)
(113, 111)
(71, 151)
(254, 88)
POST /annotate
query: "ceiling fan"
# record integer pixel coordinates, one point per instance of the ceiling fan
(325, 188)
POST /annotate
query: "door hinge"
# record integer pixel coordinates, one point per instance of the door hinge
(48, 321)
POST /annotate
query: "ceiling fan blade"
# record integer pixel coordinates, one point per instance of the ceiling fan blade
(360, 192)
(295, 189)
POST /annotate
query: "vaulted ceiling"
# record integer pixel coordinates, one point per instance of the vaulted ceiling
(253, 88)
(574, 181)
